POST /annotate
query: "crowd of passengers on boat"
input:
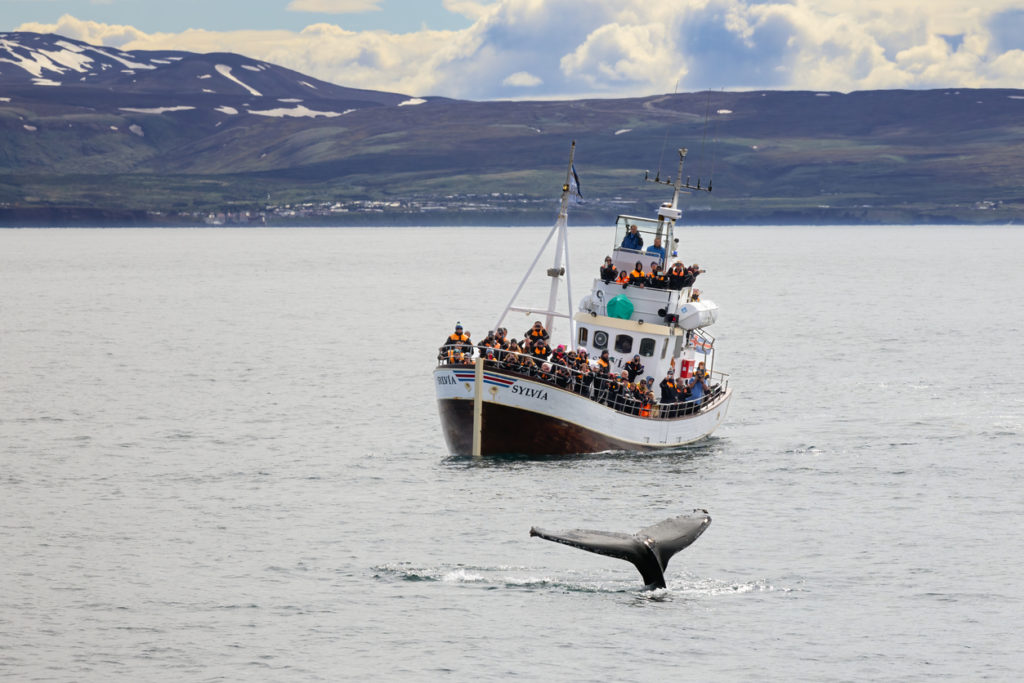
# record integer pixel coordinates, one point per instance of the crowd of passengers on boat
(574, 371)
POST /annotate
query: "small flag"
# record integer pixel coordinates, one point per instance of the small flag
(576, 182)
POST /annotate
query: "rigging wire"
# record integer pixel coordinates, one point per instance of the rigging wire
(664, 143)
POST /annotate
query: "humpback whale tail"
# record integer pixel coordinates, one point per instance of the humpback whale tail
(649, 549)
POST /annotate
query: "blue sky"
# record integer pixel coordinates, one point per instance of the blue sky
(546, 49)
(225, 15)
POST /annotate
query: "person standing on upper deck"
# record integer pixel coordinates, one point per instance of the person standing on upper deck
(633, 240)
(656, 248)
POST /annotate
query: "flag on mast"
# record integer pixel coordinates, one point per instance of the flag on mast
(575, 185)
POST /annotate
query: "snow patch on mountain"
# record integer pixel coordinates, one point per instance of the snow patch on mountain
(155, 110)
(412, 102)
(225, 109)
(225, 71)
(125, 59)
(296, 112)
(44, 81)
(308, 85)
(137, 130)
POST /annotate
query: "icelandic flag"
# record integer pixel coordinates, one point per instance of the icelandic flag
(574, 186)
(700, 344)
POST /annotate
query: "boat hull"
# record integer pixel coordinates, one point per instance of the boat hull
(523, 416)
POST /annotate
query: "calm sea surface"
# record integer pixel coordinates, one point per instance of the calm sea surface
(220, 459)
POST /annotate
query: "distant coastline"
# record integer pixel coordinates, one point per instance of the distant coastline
(84, 217)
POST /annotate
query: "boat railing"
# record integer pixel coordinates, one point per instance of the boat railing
(588, 382)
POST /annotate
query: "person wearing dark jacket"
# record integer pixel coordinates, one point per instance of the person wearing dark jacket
(634, 368)
(536, 332)
(676, 275)
(637, 276)
(633, 240)
(608, 271)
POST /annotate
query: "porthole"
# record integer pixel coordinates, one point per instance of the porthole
(623, 343)
(600, 340)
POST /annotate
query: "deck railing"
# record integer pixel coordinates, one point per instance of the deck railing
(587, 383)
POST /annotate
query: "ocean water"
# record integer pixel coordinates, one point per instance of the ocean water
(220, 459)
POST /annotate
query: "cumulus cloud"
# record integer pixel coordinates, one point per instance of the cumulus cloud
(522, 79)
(620, 48)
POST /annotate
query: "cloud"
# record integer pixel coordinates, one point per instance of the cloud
(522, 79)
(334, 6)
(623, 48)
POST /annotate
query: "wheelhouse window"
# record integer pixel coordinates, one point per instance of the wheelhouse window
(583, 336)
(623, 343)
(600, 340)
(647, 347)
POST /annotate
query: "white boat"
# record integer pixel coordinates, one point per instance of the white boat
(490, 404)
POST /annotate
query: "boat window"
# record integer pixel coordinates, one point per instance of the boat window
(647, 347)
(623, 343)
(600, 340)
(583, 336)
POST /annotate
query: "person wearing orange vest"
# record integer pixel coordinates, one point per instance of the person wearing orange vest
(537, 332)
(456, 345)
(540, 351)
(656, 278)
(638, 277)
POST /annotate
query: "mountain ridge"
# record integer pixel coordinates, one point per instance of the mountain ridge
(90, 130)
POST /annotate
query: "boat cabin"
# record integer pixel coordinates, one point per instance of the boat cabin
(663, 326)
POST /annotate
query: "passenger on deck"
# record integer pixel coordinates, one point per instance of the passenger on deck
(536, 332)
(633, 240)
(613, 392)
(457, 345)
(608, 271)
(563, 378)
(638, 277)
(487, 345)
(701, 371)
(698, 387)
(676, 276)
(633, 368)
(510, 358)
(584, 380)
(540, 350)
(558, 355)
(623, 278)
(656, 248)
(669, 394)
(657, 279)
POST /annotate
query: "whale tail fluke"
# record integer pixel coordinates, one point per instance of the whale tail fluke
(649, 549)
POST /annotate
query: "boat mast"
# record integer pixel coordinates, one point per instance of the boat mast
(562, 245)
(668, 218)
(561, 229)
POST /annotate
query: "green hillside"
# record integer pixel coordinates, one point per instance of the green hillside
(775, 157)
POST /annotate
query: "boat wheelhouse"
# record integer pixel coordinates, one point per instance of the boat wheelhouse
(501, 400)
